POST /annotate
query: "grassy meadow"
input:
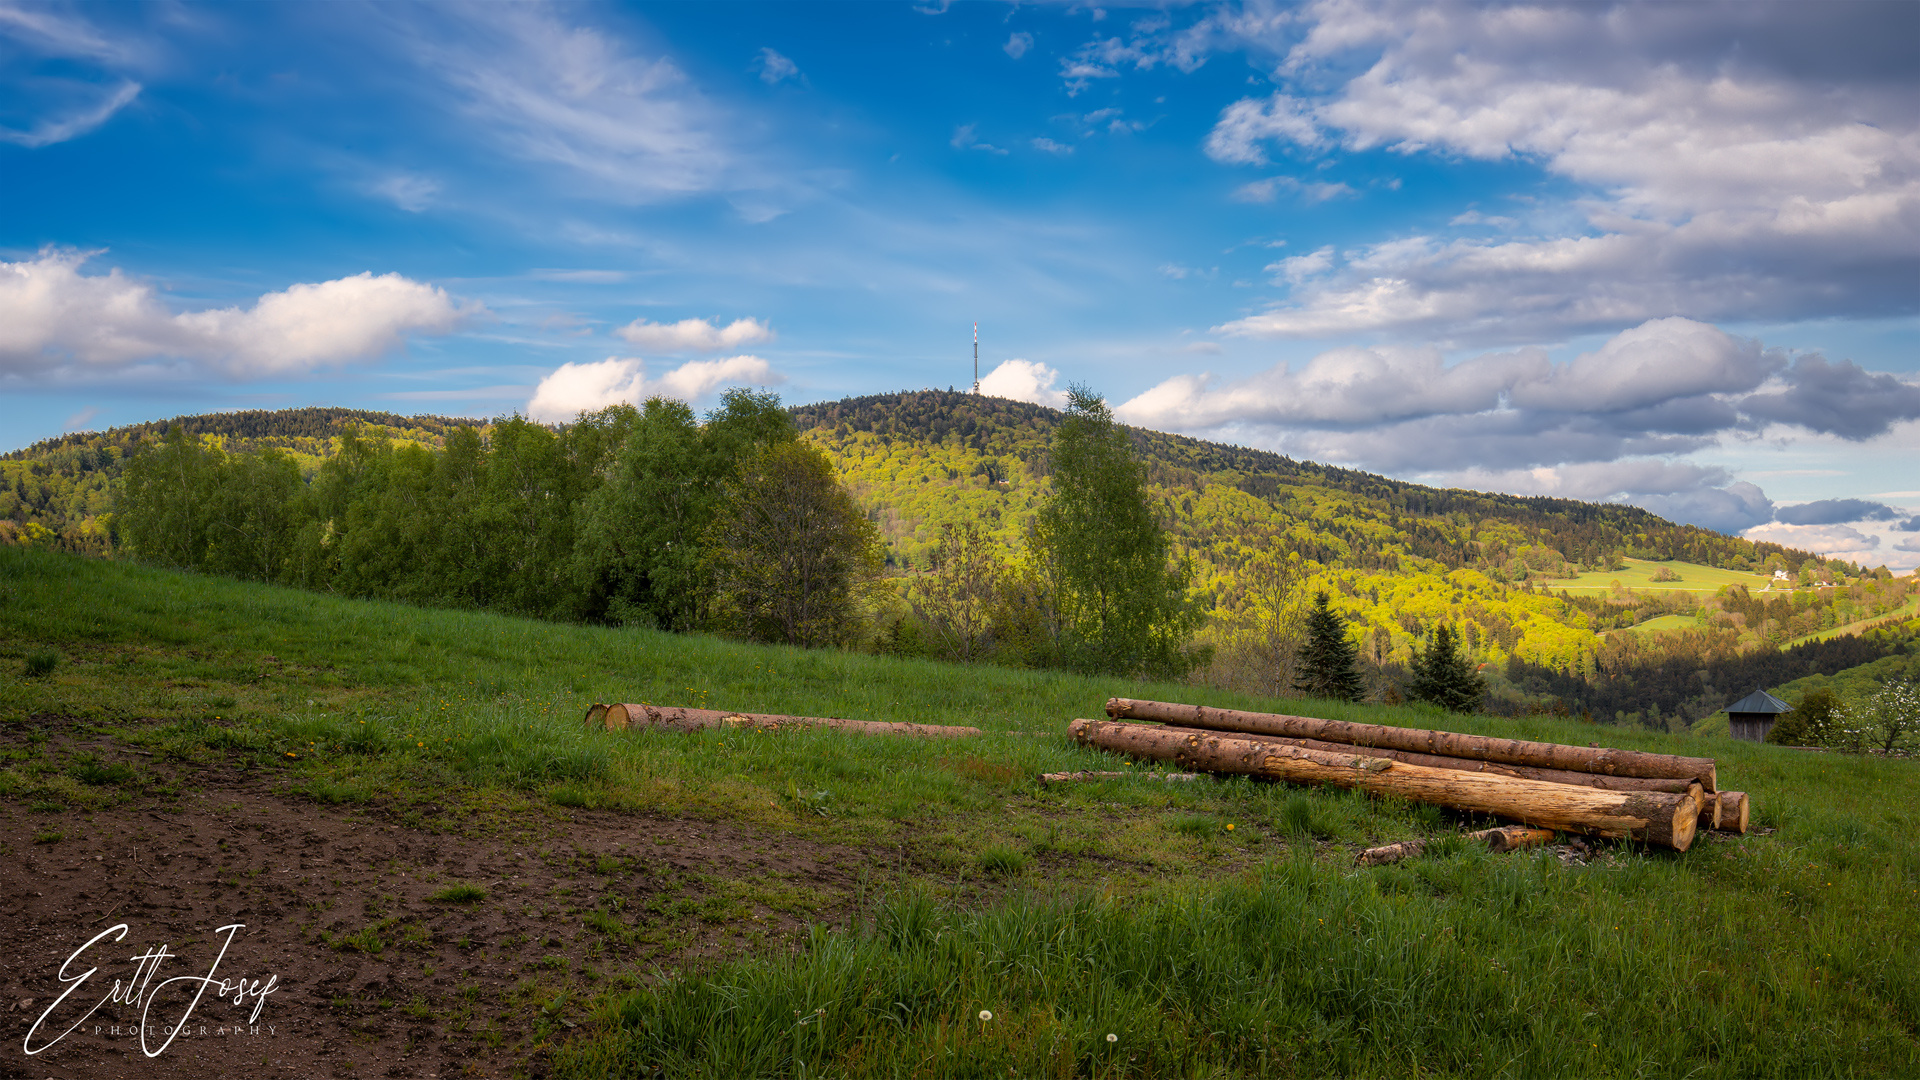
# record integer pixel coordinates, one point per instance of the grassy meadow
(1129, 927)
(1638, 576)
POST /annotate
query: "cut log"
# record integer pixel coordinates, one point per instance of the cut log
(1526, 772)
(1734, 808)
(1710, 810)
(1655, 817)
(1582, 759)
(1069, 777)
(1505, 838)
(619, 717)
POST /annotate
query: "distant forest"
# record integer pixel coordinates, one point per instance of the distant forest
(1261, 532)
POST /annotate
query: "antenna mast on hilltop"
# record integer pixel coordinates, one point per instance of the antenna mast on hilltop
(976, 357)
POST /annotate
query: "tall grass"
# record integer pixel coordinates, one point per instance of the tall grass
(1476, 965)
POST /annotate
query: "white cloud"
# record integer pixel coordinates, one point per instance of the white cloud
(1018, 44)
(572, 389)
(1743, 161)
(1051, 147)
(89, 83)
(695, 335)
(54, 319)
(1520, 421)
(407, 191)
(1298, 268)
(1841, 541)
(1024, 380)
(573, 96)
(775, 68)
(1264, 191)
(964, 138)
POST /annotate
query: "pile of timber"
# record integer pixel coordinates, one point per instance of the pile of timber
(620, 716)
(1660, 799)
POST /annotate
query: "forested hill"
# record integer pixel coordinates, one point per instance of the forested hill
(923, 455)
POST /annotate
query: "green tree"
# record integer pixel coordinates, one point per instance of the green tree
(956, 596)
(1324, 665)
(792, 556)
(1099, 545)
(166, 506)
(1444, 676)
(1807, 722)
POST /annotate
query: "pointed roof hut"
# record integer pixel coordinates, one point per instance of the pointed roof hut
(1752, 716)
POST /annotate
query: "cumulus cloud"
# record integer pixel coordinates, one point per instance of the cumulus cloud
(1909, 544)
(695, 335)
(1298, 268)
(55, 319)
(1024, 380)
(571, 389)
(965, 137)
(1730, 509)
(1838, 541)
(1264, 191)
(1912, 524)
(1051, 147)
(1018, 44)
(1834, 512)
(1600, 426)
(1667, 386)
(1838, 399)
(1736, 167)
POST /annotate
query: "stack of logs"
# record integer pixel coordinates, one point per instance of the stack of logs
(1659, 799)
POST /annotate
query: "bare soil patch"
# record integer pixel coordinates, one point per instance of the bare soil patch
(374, 975)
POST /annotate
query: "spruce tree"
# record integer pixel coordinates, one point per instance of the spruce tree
(1445, 677)
(1325, 664)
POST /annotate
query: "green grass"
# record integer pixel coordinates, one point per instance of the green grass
(1667, 622)
(459, 894)
(1067, 911)
(1905, 611)
(1638, 576)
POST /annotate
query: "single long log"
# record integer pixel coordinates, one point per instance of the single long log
(1525, 772)
(1734, 810)
(619, 717)
(1655, 817)
(1583, 759)
(1503, 839)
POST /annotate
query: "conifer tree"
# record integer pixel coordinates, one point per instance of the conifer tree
(1325, 663)
(1443, 676)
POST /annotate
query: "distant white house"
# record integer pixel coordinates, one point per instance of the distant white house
(1781, 575)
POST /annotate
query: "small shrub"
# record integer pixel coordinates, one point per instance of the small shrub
(41, 662)
(459, 894)
(1002, 861)
(88, 769)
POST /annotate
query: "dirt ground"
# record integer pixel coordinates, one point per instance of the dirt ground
(369, 975)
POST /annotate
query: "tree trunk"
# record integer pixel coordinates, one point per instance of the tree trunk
(618, 717)
(1734, 808)
(1505, 838)
(1583, 759)
(1656, 817)
(1524, 772)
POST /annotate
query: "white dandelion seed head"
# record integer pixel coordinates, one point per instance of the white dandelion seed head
(985, 1015)
(1111, 1037)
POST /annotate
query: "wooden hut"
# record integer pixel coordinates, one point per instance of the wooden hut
(1752, 716)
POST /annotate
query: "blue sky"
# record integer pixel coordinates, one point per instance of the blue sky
(1664, 254)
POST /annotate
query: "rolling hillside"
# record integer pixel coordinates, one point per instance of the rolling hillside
(1533, 586)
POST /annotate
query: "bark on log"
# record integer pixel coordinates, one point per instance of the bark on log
(1525, 772)
(1734, 809)
(1503, 839)
(1656, 817)
(1582, 759)
(1067, 777)
(618, 717)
